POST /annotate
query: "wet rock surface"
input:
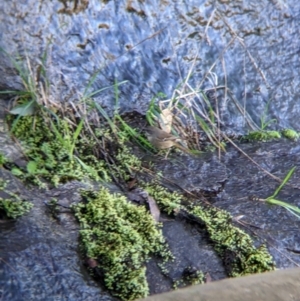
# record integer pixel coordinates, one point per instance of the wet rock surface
(273, 286)
(153, 47)
(39, 254)
(192, 250)
(40, 251)
(232, 179)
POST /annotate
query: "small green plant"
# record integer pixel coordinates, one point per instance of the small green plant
(290, 134)
(127, 163)
(66, 138)
(121, 237)
(119, 128)
(236, 247)
(28, 99)
(272, 201)
(191, 276)
(50, 150)
(264, 123)
(13, 206)
(3, 159)
(262, 136)
(87, 99)
(32, 167)
(169, 202)
(25, 107)
(231, 243)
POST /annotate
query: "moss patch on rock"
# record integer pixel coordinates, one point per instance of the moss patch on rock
(169, 202)
(234, 246)
(262, 136)
(12, 206)
(49, 159)
(121, 237)
(116, 233)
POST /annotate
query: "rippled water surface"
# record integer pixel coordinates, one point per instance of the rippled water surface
(252, 49)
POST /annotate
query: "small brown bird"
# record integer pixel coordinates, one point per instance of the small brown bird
(163, 140)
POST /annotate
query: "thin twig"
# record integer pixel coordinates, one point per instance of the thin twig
(215, 62)
(255, 163)
(247, 50)
(266, 242)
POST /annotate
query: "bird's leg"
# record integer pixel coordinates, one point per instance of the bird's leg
(166, 156)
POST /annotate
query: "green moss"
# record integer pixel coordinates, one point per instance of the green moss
(262, 136)
(3, 160)
(49, 158)
(195, 278)
(232, 244)
(290, 134)
(189, 277)
(122, 237)
(13, 206)
(169, 202)
(127, 162)
(270, 135)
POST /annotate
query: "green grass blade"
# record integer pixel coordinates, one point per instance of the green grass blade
(210, 108)
(104, 114)
(153, 111)
(89, 169)
(133, 134)
(75, 136)
(24, 109)
(103, 89)
(58, 134)
(290, 173)
(91, 81)
(283, 204)
(291, 211)
(116, 90)
(22, 93)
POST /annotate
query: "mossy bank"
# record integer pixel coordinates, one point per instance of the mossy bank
(116, 234)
